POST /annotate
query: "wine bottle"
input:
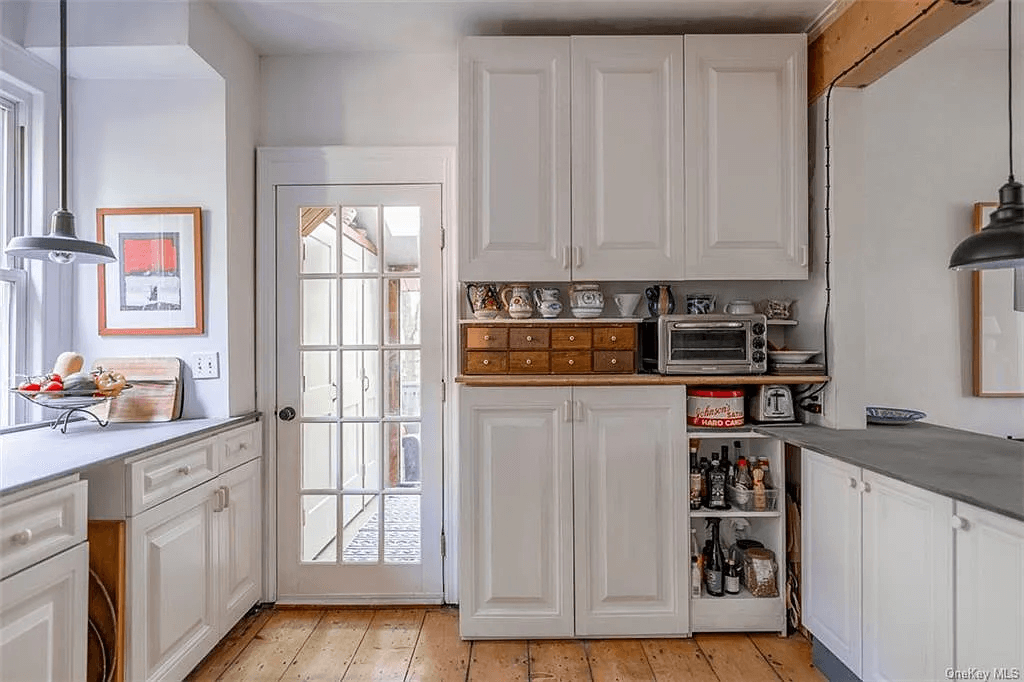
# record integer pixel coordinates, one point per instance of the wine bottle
(732, 577)
(695, 480)
(738, 455)
(704, 466)
(714, 572)
(716, 485)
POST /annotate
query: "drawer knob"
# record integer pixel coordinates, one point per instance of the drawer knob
(185, 470)
(853, 482)
(959, 523)
(572, 337)
(572, 362)
(615, 361)
(529, 337)
(487, 362)
(529, 361)
(243, 446)
(22, 537)
(614, 338)
(487, 337)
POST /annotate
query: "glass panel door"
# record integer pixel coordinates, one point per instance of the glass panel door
(359, 349)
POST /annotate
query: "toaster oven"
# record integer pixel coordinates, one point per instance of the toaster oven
(704, 344)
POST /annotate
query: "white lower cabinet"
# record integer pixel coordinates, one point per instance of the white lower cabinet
(877, 571)
(43, 620)
(989, 590)
(572, 508)
(194, 569)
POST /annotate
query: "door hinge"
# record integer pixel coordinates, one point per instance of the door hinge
(443, 234)
(444, 391)
(444, 546)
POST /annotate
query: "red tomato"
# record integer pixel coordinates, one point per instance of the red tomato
(29, 386)
(54, 386)
(55, 377)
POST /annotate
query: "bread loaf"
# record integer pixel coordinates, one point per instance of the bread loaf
(68, 363)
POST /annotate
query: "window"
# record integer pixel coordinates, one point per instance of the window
(13, 277)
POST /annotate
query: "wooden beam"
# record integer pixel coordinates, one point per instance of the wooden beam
(865, 25)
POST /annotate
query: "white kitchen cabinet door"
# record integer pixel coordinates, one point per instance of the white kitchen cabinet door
(989, 590)
(627, 157)
(908, 581)
(43, 620)
(514, 192)
(172, 585)
(516, 513)
(631, 528)
(746, 157)
(240, 541)
(831, 550)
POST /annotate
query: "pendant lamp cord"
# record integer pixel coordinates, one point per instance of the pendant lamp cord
(803, 399)
(1009, 76)
(63, 104)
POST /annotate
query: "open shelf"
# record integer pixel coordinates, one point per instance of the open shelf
(739, 432)
(732, 514)
(782, 323)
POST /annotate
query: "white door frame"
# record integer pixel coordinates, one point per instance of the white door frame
(350, 166)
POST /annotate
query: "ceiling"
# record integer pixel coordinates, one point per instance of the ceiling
(287, 27)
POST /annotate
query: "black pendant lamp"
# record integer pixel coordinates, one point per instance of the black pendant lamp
(1001, 243)
(61, 245)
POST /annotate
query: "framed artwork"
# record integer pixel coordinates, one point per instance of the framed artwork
(998, 328)
(156, 285)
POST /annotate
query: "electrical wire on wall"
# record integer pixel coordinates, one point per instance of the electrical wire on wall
(804, 400)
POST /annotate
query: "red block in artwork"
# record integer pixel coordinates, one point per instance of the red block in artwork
(149, 255)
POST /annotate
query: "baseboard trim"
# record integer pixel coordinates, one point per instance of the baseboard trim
(830, 666)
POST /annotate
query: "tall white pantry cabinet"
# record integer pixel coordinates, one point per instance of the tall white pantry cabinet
(633, 157)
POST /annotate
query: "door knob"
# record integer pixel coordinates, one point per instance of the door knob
(286, 414)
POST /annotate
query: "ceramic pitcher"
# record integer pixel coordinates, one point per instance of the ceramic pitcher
(516, 298)
(660, 300)
(483, 300)
(546, 301)
(586, 300)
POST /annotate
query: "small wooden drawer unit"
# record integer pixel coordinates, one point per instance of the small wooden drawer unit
(549, 348)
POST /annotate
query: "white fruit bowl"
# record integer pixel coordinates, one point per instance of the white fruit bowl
(791, 357)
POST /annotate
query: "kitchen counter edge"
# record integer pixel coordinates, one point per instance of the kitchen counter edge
(982, 470)
(512, 380)
(135, 443)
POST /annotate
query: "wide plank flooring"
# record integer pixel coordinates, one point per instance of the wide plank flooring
(422, 644)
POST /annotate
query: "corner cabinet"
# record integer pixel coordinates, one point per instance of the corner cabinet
(746, 157)
(574, 512)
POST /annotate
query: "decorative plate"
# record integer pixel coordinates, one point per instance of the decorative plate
(892, 415)
(791, 357)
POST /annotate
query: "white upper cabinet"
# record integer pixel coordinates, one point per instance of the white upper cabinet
(627, 151)
(514, 194)
(746, 157)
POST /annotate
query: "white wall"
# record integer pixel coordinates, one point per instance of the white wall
(934, 143)
(154, 143)
(359, 99)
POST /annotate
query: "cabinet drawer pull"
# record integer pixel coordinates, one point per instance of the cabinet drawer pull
(245, 446)
(853, 482)
(572, 337)
(227, 497)
(960, 523)
(529, 361)
(185, 470)
(614, 338)
(22, 537)
(572, 362)
(865, 486)
(487, 337)
(487, 362)
(529, 337)
(615, 361)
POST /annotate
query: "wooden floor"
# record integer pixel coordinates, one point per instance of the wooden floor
(423, 644)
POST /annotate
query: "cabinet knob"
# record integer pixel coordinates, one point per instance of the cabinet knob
(22, 537)
(959, 523)
(853, 482)
(614, 338)
(529, 361)
(615, 361)
(487, 337)
(185, 470)
(572, 362)
(487, 362)
(865, 486)
(529, 337)
(572, 337)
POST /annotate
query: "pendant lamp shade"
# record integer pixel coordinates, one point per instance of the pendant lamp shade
(1000, 244)
(61, 245)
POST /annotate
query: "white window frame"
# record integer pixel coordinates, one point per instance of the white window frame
(13, 411)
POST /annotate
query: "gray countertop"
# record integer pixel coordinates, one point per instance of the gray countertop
(982, 470)
(38, 455)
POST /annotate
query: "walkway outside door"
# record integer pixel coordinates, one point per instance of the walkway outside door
(359, 379)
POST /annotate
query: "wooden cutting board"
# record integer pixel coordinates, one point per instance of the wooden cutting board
(156, 394)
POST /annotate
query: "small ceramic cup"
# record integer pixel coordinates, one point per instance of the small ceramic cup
(626, 303)
(740, 306)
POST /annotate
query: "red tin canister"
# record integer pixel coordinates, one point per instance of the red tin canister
(714, 408)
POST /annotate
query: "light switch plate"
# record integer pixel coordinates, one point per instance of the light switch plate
(206, 365)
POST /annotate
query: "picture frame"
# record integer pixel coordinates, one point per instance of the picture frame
(156, 286)
(998, 329)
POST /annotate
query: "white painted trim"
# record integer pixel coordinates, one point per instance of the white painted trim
(366, 599)
(349, 165)
(826, 18)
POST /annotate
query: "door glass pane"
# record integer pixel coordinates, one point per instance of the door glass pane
(360, 310)
(319, 528)
(402, 238)
(403, 464)
(362, 532)
(402, 383)
(402, 307)
(402, 529)
(319, 230)
(319, 390)
(360, 450)
(319, 303)
(360, 392)
(360, 244)
(319, 455)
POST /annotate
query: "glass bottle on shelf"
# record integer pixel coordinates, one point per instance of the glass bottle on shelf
(714, 571)
(732, 577)
(695, 566)
(762, 463)
(744, 481)
(760, 498)
(716, 483)
(704, 466)
(695, 480)
(737, 446)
